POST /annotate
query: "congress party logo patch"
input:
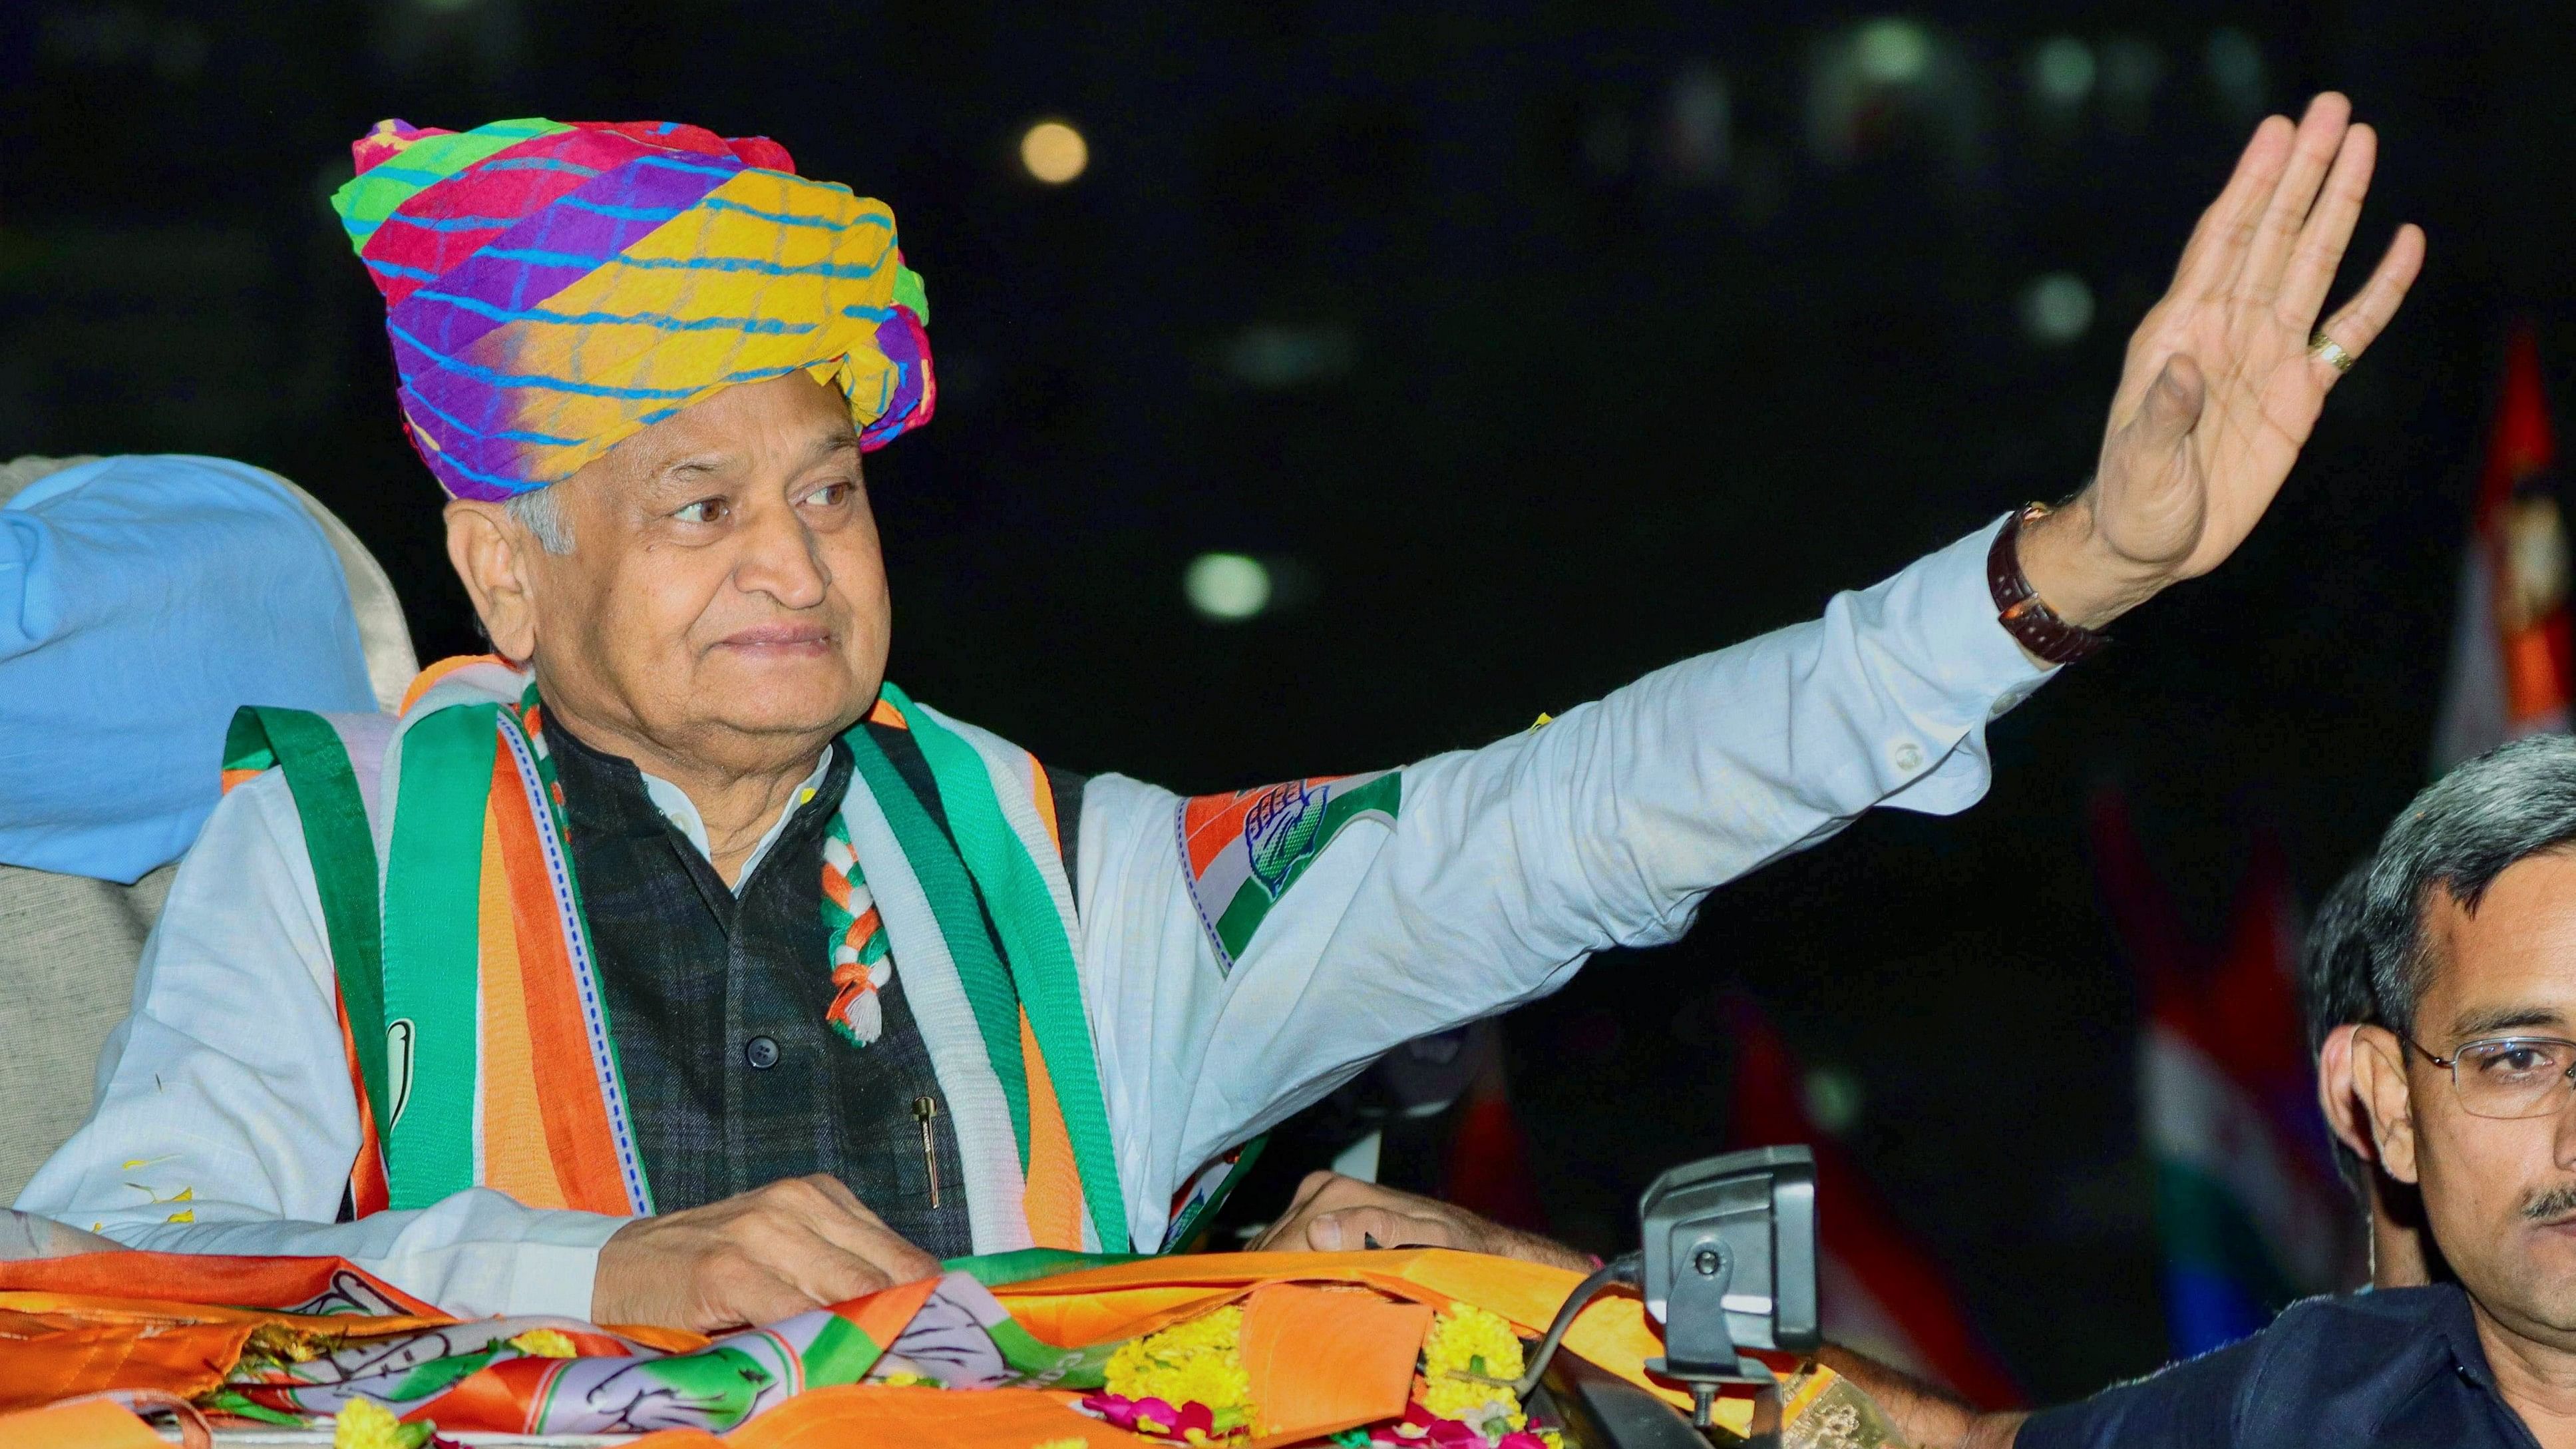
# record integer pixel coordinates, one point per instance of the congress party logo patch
(1241, 852)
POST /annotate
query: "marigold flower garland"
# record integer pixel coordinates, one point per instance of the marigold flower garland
(1187, 1383)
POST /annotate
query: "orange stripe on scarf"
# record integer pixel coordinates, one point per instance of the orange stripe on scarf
(367, 1191)
(1042, 791)
(431, 674)
(1053, 1199)
(515, 1155)
(559, 1065)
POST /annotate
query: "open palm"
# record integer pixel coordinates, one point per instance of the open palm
(2221, 388)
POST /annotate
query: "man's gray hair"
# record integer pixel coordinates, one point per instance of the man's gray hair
(537, 513)
(2465, 829)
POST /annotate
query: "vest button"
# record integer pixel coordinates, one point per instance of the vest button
(761, 1052)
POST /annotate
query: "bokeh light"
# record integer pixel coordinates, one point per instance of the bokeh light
(1833, 1099)
(1054, 152)
(1227, 587)
(1892, 51)
(2056, 309)
(2061, 71)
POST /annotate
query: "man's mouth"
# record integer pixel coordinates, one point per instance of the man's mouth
(780, 639)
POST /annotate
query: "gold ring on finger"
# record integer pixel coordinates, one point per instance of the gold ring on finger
(2330, 352)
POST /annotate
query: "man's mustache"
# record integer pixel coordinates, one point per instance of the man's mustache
(2558, 1202)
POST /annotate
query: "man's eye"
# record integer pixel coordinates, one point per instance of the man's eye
(705, 510)
(832, 495)
(2518, 1059)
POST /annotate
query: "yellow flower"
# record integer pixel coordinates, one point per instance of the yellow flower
(1196, 1362)
(366, 1424)
(1466, 1340)
(545, 1343)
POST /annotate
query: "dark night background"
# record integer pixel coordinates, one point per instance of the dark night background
(1534, 345)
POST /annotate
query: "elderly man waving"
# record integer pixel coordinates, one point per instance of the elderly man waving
(675, 966)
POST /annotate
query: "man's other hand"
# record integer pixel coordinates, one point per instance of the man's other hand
(2221, 388)
(1332, 1214)
(798, 1244)
(1929, 1418)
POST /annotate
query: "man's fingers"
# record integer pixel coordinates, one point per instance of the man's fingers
(829, 1272)
(743, 1288)
(2312, 152)
(2329, 229)
(1353, 1229)
(2363, 318)
(1307, 1188)
(839, 1195)
(2211, 258)
(838, 1218)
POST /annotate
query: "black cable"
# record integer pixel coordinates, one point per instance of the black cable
(1628, 1268)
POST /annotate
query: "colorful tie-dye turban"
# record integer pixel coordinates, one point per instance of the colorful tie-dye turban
(551, 289)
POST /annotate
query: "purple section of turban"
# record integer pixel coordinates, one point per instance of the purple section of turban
(462, 404)
(901, 339)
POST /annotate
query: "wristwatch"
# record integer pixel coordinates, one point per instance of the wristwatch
(2018, 606)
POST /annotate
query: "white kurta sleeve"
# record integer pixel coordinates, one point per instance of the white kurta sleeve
(1485, 878)
(224, 1120)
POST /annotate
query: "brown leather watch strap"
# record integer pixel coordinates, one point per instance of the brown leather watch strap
(2018, 606)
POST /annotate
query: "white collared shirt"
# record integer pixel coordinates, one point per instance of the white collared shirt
(682, 812)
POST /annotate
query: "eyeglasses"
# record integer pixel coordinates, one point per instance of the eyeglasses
(2509, 1076)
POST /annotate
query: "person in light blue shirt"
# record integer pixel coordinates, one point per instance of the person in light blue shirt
(143, 598)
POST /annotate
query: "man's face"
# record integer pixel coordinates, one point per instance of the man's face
(2500, 1195)
(724, 601)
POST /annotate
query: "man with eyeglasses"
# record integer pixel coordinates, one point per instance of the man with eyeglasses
(2468, 1088)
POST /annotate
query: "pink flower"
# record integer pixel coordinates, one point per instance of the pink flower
(1454, 1434)
(1158, 1417)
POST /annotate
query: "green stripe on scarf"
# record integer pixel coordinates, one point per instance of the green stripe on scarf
(343, 852)
(432, 960)
(1041, 959)
(953, 904)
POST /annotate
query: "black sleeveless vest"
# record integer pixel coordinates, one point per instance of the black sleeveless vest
(716, 1002)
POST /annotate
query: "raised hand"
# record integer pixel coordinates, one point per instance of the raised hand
(2221, 385)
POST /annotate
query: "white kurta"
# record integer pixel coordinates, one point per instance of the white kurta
(225, 1120)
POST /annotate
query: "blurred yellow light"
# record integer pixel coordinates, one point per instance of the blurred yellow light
(1054, 152)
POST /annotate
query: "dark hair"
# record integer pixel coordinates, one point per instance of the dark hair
(2456, 836)
(2335, 987)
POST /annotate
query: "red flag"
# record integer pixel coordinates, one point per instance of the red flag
(2510, 667)
(2246, 1202)
(1882, 1295)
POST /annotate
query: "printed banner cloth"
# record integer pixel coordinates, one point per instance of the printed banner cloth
(1328, 1341)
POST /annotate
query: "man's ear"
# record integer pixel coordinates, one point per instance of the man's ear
(2387, 1099)
(2335, 1096)
(495, 558)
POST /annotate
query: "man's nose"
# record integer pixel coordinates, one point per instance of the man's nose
(780, 559)
(2562, 1126)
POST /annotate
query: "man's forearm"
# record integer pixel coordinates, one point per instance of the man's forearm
(1928, 1417)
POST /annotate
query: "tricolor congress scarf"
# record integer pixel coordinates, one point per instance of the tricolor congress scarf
(476, 1031)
